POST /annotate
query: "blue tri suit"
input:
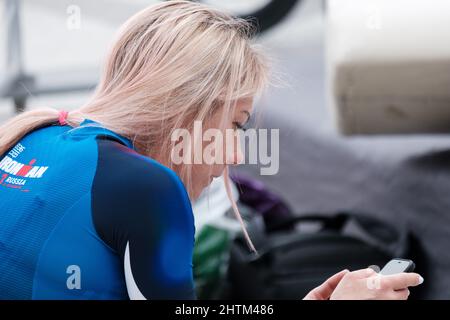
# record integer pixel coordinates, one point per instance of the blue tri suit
(84, 216)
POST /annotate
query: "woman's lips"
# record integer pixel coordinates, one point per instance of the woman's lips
(211, 178)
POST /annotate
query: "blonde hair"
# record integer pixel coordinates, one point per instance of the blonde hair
(171, 64)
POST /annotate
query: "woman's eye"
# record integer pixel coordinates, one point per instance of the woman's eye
(238, 126)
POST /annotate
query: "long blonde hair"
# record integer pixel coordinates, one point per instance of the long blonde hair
(171, 64)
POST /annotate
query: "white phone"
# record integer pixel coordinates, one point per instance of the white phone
(398, 266)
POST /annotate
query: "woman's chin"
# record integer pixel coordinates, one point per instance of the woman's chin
(198, 193)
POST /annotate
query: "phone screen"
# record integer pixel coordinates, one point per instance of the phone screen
(397, 266)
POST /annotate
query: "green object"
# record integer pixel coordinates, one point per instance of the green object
(211, 255)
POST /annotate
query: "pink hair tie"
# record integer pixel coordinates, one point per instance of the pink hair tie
(63, 117)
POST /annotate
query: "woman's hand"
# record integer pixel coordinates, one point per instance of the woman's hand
(365, 284)
(324, 291)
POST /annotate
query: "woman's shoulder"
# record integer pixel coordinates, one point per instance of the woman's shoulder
(126, 179)
(118, 162)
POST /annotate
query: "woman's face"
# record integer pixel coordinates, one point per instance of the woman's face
(231, 153)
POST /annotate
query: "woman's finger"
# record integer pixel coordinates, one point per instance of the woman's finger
(402, 280)
(363, 273)
(325, 290)
(399, 294)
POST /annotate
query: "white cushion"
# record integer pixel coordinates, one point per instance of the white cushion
(388, 65)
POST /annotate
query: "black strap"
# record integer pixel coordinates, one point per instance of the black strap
(382, 234)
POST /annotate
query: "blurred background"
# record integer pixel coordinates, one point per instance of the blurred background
(48, 59)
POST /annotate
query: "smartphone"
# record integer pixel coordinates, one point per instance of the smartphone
(398, 266)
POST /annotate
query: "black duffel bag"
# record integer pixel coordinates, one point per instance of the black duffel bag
(300, 253)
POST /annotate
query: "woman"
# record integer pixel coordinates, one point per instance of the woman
(92, 205)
